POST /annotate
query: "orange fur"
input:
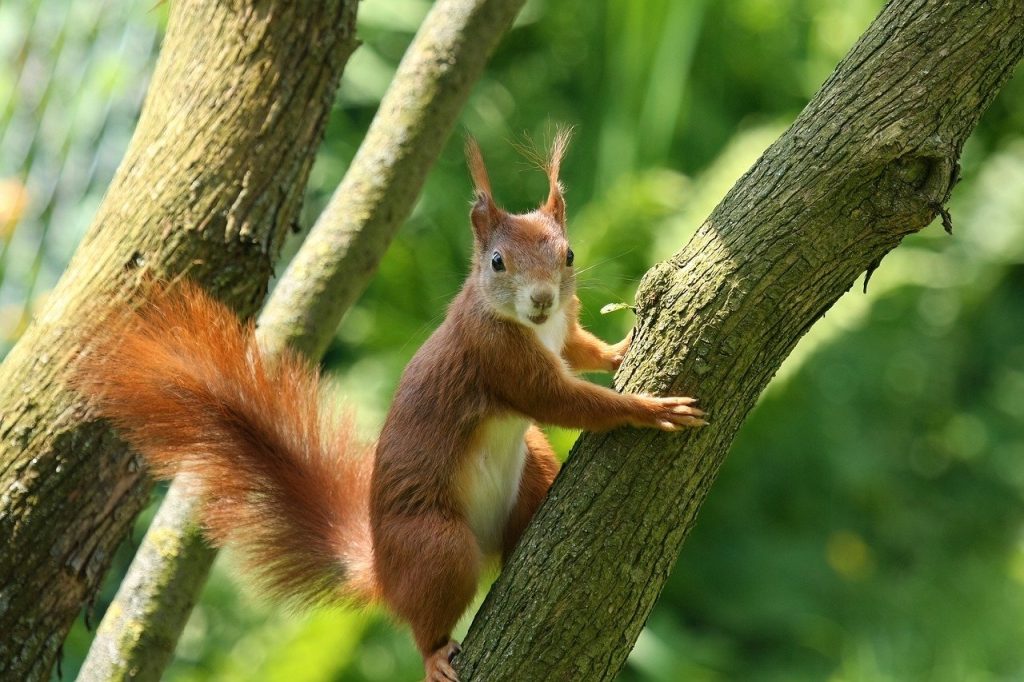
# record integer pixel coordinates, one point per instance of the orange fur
(555, 204)
(187, 386)
(586, 353)
(477, 169)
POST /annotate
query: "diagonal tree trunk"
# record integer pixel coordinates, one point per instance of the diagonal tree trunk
(211, 183)
(416, 116)
(872, 158)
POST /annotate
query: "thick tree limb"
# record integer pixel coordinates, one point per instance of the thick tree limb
(870, 159)
(332, 268)
(211, 182)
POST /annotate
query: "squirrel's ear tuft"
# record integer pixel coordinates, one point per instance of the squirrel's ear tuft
(477, 169)
(485, 214)
(555, 204)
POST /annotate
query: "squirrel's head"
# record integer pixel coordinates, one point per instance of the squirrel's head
(522, 262)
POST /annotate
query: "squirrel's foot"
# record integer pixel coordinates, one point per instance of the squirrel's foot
(439, 664)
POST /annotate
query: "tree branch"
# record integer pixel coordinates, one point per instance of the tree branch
(412, 124)
(869, 160)
(211, 182)
(141, 627)
(327, 275)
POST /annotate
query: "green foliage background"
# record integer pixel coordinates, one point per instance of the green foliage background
(868, 524)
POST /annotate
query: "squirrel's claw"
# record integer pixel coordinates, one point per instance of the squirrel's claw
(676, 413)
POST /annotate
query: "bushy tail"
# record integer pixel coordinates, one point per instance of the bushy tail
(186, 385)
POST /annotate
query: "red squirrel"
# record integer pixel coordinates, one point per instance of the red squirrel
(459, 468)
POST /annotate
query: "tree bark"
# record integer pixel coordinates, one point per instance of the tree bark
(140, 629)
(871, 159)
(208, 188)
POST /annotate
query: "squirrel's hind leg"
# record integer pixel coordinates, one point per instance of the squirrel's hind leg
(429, 568)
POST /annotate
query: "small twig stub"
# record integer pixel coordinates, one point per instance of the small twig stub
(947, 219)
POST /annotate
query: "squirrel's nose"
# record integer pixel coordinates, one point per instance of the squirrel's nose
(542, 299)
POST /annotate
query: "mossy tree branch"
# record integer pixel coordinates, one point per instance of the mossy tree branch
(871, 159)
(208, 188)
(330, 271)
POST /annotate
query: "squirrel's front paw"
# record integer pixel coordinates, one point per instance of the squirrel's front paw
(672, 414)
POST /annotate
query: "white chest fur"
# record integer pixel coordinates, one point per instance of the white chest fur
(496, 468)
(553, 332)
(494, 472)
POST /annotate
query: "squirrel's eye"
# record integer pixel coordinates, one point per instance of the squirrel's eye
(497, 263)
(569, 257)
